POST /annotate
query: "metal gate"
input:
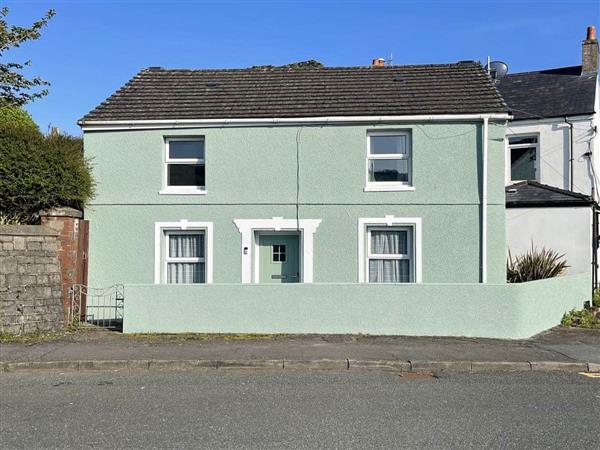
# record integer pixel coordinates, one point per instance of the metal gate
(102, 307)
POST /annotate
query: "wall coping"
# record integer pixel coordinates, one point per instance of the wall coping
(62, 212)
(27, 230)
(576, 277)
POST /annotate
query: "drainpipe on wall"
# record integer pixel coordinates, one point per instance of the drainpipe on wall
(484, 201)
(570, 152)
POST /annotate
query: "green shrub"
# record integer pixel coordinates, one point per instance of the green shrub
(596, 298)
(535, 265)
(39, 172)
(584, 318)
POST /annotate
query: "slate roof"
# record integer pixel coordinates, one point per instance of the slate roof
(156, 93)
(526, 194)
(549, 93)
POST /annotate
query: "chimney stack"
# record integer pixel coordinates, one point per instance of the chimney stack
(589, 51)
(380, 62)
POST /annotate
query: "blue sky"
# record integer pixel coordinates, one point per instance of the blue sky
(91, 48)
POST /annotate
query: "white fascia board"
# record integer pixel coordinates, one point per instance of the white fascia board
(96, 125)
(551, 120)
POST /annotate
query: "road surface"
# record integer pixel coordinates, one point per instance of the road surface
(264, 409)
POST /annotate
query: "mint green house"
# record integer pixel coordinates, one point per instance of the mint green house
(330, 200)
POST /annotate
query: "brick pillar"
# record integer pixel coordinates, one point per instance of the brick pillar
(68, 223)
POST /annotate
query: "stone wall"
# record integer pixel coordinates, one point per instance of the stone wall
(30, 280)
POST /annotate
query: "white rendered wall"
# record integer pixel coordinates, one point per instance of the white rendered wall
(566, 230)
(554, 142)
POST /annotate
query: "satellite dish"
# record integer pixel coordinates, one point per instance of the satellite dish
(497, 69)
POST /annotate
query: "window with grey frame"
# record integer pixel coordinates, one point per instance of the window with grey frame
(185, 257)
(185, 164)
(390, 254)
(523, 152)
(389, 159)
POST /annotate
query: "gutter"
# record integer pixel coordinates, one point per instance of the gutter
(97, 125)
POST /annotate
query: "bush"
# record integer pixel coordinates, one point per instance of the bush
(585, 318)
(535, 265)
(39, 172)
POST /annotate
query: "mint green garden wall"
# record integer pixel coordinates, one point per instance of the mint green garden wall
(510, 311)
(251, 173)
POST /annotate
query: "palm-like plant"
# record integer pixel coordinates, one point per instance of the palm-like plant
(535, 265)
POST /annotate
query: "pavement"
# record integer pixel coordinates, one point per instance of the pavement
(298, 409)
(559, 349)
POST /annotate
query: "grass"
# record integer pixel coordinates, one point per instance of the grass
(33, 338)
(81, 332)
(227, 337)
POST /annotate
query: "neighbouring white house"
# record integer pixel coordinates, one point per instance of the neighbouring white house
(553, 159)
(551, 217)
(553, 137)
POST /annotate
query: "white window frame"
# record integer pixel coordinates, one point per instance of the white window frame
(517, 146)
(391, 256)
(389, 223)
(169, 259)
(183, 226)
(379, 186)
(185, 190)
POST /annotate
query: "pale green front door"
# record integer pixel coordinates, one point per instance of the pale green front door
(279, 258)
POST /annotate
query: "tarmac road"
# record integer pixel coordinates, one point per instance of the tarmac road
(275, 409)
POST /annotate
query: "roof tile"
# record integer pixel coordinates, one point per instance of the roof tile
(155, 93)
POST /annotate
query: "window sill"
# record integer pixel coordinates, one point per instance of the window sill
(182, 192)
(393, 188)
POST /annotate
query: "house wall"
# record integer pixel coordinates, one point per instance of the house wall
(510, 311)
(565, 230)
(251, 173)
(554, 148)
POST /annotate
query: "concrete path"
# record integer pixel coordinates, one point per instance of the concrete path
(559, 345)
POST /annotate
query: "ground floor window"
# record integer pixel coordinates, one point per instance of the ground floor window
(389, 250)
(389, 255)
(185, 257)
(183, 252)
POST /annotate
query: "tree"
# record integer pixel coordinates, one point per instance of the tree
(13, 115)
(15, 88)
(310, 64)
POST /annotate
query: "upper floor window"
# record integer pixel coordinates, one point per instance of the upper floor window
(184, 166)
(389, 161)
(524, 157)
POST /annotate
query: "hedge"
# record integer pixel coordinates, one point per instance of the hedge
(39, 172)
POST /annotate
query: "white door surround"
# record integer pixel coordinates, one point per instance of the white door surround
(248, 228)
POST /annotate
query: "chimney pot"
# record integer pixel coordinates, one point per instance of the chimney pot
(591, 33)
(378, 62)
(589, 52)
